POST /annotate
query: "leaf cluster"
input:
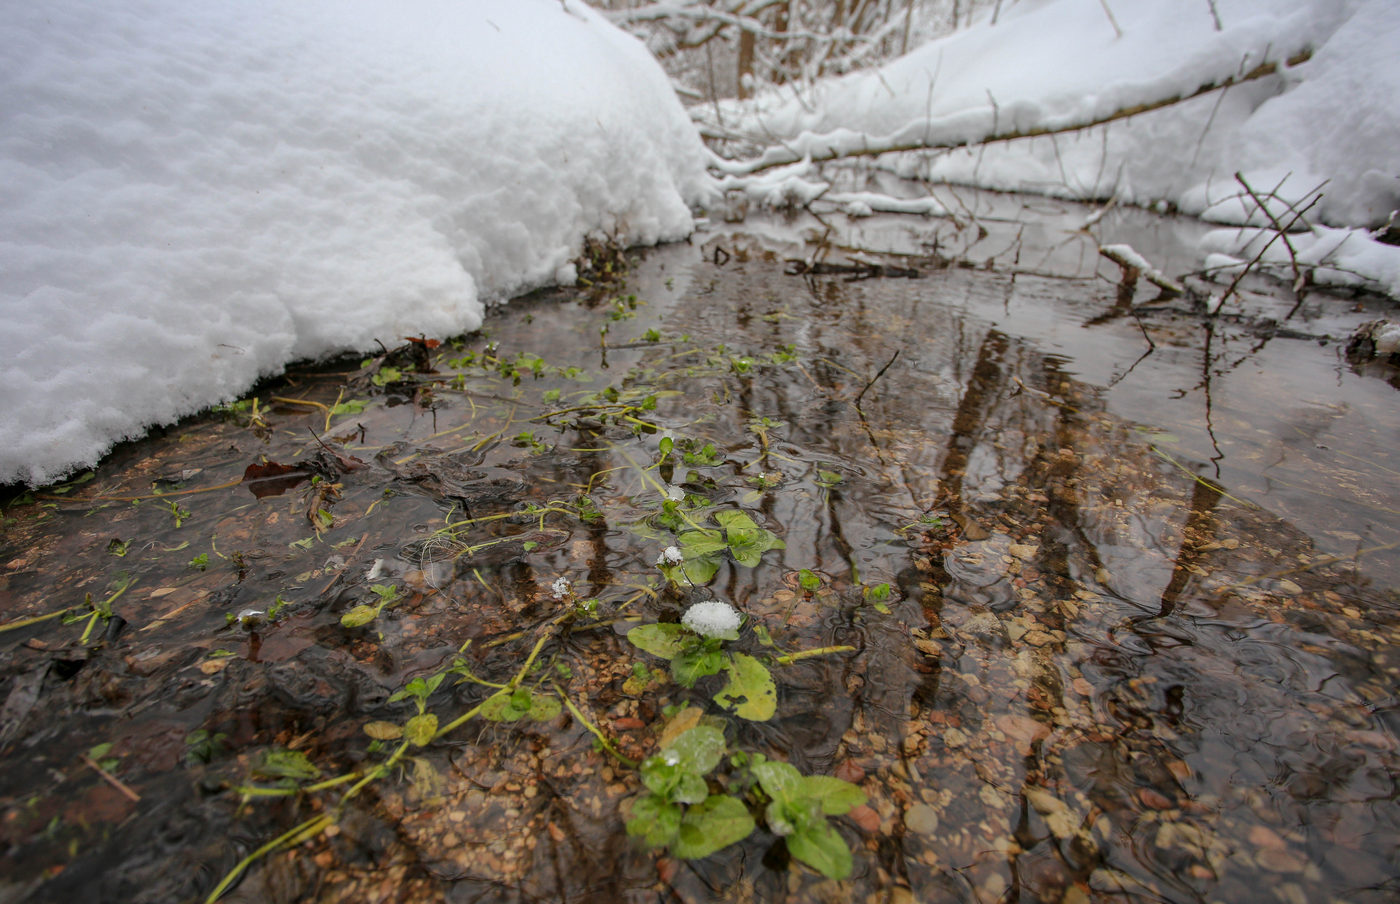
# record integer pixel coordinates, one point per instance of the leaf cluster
(750, 691)
(704, 548)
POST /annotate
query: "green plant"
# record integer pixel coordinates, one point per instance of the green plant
(364, 613)
(703, 549)
(797, 811)
(678, 811)
(749, 692)
(681, 812)
(878, 596)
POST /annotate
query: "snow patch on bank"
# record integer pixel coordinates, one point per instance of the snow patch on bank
(194, 193)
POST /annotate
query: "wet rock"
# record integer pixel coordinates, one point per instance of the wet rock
(1155, 799)
(1375, 340)
(921, 819)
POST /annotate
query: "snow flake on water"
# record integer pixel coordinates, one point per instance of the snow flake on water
(561, 588)
(712, 618)
(671, 555)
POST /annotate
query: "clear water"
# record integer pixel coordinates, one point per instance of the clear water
(1140, 645)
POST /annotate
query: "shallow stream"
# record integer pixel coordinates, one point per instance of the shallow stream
(1100, 592)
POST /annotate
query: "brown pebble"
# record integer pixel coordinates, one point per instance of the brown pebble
(866, 818)
(628, 723)
(1154, 799)
(850, 771)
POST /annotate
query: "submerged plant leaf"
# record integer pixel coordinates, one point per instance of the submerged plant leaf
(698, 749)
(421, 728)
(359, 616)
(543, 708)
(690, 665)
(750, 693)
(746, 540)
(285, 764)
(780, 781)
(654, 820)
(510, 707)
(820, 846)
(384, 731)
(665, 639)
(716, 823)
(834, 795)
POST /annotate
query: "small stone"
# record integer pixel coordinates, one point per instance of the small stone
(1154, 799)
(954, 738)
(866, 818)
(1279, 860)
(1265, 837)
(921, 819)
(1022, 551)
(850, 771)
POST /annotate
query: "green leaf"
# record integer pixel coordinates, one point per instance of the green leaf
(690, 789)
(544, 708)
(689, 666)
(735, 520)
(285, 764)
(660, 776)
(834, 795)
(665, 639)
(717, 823)
(822, 848)
(360, 615)
(750, 693)
(508, 707)
(809, 580)
(666, 444)
(697, 571)
(702, 542)
(747, 541)
(780, 781)
(421, 728)
(654, 820)
(698, 749)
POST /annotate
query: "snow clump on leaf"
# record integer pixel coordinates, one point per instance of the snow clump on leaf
(712, 618)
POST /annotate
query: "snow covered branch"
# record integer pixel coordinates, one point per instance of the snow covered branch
(980, 126)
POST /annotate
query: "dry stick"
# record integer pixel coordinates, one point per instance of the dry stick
(1261, 71)
(1111, 21)
(876, 377)
(111, 779)
(1298, 215)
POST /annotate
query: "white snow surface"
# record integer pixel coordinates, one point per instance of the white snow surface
(712, 618)
(194, 193)
(1331, 121)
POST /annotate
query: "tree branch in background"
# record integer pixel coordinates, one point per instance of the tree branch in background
(922, 135)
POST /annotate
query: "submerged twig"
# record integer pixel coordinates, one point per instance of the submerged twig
(876, 377)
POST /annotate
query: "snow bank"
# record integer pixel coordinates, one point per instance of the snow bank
(1048, 64)
(194, 193)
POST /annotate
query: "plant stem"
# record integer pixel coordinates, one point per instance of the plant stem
(596, 732)
(311, 826)
(33, 620)
(790, 658)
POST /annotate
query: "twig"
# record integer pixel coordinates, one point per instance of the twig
(876, 377)
(111, 779)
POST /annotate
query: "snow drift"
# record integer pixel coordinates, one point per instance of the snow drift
(194, 193)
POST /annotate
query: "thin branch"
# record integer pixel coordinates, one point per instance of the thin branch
(783, 156)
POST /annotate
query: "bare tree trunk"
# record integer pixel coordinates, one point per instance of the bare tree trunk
(745, 62)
